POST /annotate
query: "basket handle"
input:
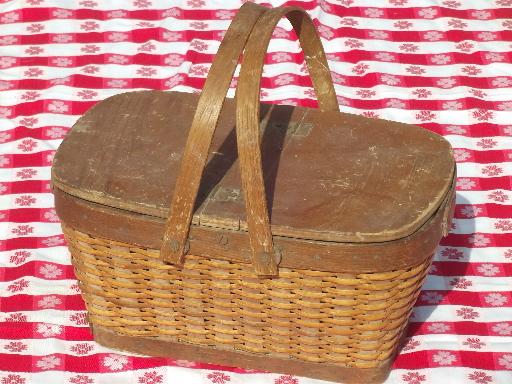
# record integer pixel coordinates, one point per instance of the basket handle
(248, 140)
(174, 243)
(247, 120)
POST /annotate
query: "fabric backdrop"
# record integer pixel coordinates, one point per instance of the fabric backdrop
(444, 65)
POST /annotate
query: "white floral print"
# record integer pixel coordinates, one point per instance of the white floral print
(49, 302)
(444, 358)
(115, 362)
(488, 269)
(50, 271)
(438, 328)
(495, 299)
(503, 329)
(505, 361)
(48, 362)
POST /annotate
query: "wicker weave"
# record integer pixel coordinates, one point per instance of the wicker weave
(350, 320)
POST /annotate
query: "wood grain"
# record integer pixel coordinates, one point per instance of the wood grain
(349, 179)
(195, 155)
(247, 122)
(146, 231)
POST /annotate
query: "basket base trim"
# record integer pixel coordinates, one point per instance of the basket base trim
(180, 351)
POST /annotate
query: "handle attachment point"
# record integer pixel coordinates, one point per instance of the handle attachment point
(171, 251)
(265, 264)
(252, 28)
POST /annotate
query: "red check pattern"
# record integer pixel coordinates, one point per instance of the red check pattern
(444, 65)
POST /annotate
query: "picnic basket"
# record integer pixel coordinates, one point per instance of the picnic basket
(294, 240)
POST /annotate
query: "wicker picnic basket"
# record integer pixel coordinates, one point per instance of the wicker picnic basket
(300, 252)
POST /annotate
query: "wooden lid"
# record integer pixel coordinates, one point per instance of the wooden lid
(329, 176)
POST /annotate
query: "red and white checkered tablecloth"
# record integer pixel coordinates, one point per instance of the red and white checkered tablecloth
(445, 65)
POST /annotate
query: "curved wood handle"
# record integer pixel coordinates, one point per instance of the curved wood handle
(247, 120)
(174, 243)
(201, 133)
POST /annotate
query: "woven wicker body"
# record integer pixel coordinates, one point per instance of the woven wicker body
(352, 320)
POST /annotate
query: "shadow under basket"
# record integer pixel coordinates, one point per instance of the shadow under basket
(300, 252)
